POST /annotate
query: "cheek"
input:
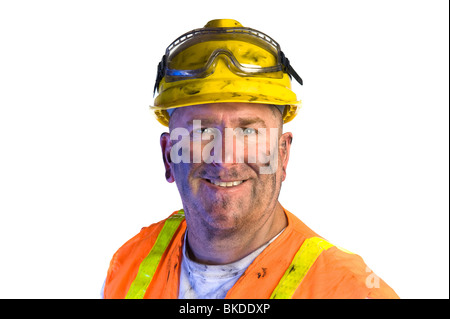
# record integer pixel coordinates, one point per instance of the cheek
(266, 187)
(271, 183)
(182, 173)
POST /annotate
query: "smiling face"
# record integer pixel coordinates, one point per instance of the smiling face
(224, 192)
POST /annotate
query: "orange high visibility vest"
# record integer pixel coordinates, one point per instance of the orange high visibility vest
(297, 264)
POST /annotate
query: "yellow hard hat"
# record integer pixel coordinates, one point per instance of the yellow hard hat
(224, 62)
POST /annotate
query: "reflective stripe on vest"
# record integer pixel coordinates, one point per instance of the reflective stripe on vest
(148, 266)
(297, 270)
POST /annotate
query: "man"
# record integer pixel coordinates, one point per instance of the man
(225, 92)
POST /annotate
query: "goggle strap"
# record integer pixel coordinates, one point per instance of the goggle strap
(289, 69)
(160, 73)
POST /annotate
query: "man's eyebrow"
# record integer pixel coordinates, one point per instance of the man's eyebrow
(204, 122)
(243, 122)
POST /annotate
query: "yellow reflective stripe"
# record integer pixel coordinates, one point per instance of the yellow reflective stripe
(297, 270)
(148, 266)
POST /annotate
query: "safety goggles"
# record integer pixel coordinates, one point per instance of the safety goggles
(246, 52)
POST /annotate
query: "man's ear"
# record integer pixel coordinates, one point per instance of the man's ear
(285, 149)
(165, 148)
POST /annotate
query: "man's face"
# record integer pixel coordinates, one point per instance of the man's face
(228, 181)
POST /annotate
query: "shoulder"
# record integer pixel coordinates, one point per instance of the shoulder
(342, 274)
(148, 233)
(337, 273)
(147, 236)
(131, 253)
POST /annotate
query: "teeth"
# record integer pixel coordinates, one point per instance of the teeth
(226, 184)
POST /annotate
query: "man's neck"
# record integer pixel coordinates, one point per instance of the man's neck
(224, 249)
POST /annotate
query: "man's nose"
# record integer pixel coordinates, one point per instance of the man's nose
(223, 146)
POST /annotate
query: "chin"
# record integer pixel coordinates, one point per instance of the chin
(223, 219)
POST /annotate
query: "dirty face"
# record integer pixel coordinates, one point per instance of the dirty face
(224, 192)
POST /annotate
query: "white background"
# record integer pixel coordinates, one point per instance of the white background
(80, 163)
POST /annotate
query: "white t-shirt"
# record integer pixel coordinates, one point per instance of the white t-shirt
(200, 281)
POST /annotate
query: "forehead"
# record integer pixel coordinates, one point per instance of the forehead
(231, 114)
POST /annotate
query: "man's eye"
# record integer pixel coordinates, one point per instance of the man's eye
(249, 131)
(204, 130)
